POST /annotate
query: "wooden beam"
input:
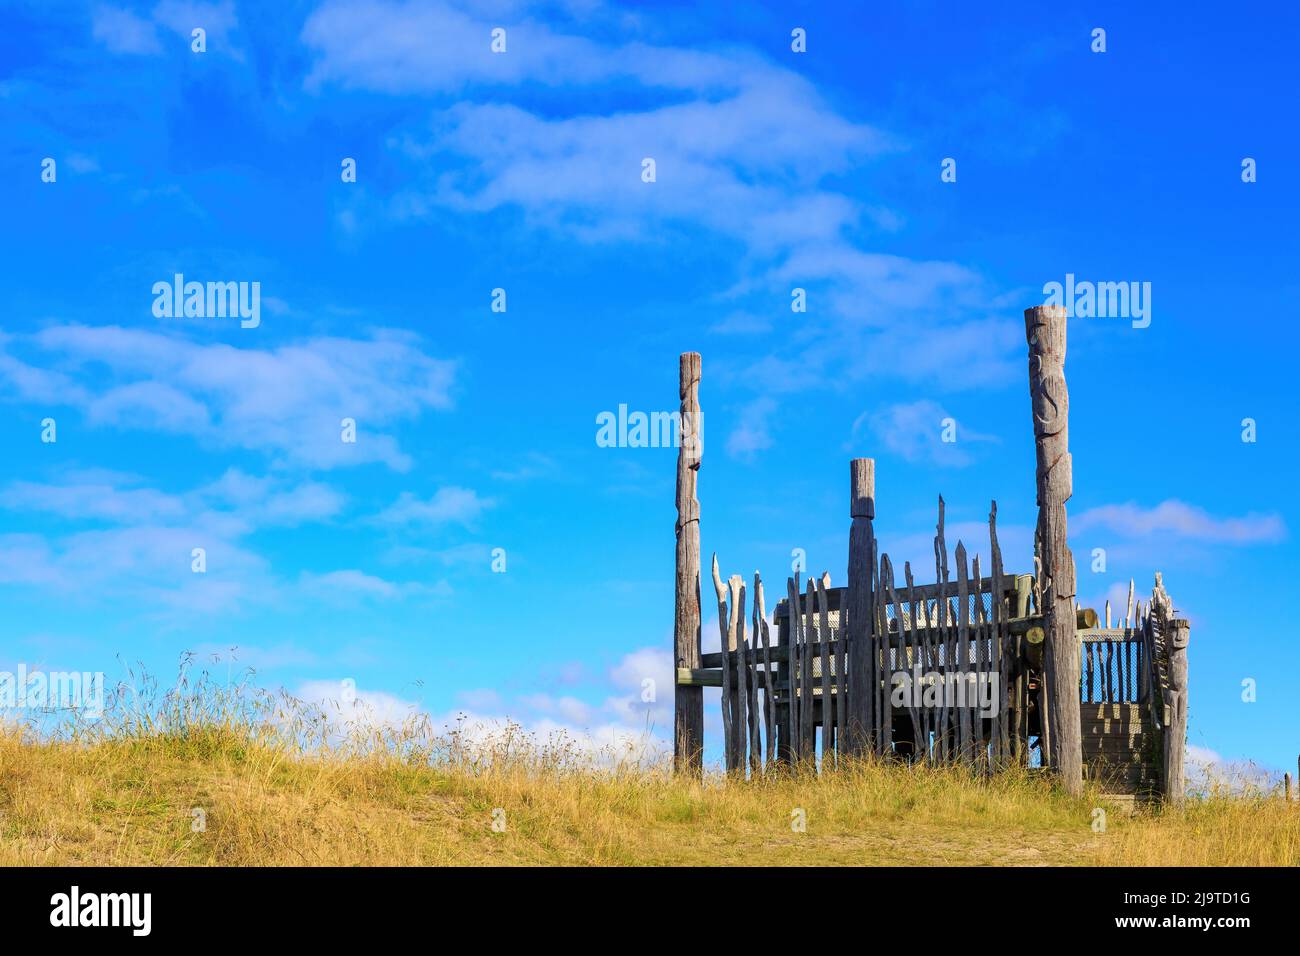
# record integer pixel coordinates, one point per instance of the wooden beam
(859, 613)
(698, 677)
(688, 700)
(1045, 331)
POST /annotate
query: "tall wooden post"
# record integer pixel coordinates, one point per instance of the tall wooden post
(1045, 333)
(1176, 637)
(688, 702)
(859, 608)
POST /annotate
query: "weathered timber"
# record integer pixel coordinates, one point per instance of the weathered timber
(856, 621)
(1176, 639)
(824, 633)
(728, 699)
(944, 741)
(839, 653)
(885, 673)
(699, 676)
(688, 701)
(807, 729)
(1045, 332)
(740, 690)
(904, 659)
(982, 668)
(794, 691)
(921, 652)
(967, 745)
(1001, 652)
(769, 701)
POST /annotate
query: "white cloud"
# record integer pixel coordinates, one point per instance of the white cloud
(183, 16)
(143, 556)
(80, 163)
(914, 431)
(351, 583)
(124, 32)
(269, 501)
(286, 401)
(744, 149)
(448, 505)
(622, 726)
(363, 709)
(100, 501)
(1178, 519)
(1208, 771)
(752, 433)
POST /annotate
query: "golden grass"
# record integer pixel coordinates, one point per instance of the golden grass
(280, 785)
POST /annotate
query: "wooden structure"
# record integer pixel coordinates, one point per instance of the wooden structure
(980, 667)
(688, 700)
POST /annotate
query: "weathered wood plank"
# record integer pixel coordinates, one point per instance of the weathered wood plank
(921, 637)
(1001, 749)
(688, 701)
(807, 711)
(981, 668)
(797, 699)
(699, 677)
(728, 735)
(828, 714)
(1045, 333)
(884, 671)
(769, 708)
(944, 742)
(857, 619)
(736, 636)
(1175, 743)
(903, 661)
(966, 745)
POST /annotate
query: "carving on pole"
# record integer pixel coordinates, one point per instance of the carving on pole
(1045, 331)
(688, 701)
(1176, 637)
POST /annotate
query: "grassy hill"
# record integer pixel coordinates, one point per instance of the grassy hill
(212, 777)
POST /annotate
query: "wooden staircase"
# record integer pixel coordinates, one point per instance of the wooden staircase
(1122, 748)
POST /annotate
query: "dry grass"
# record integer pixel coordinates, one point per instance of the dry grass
(280, 783)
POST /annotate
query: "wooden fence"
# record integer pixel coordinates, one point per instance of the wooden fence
(954, 667)
(974, 668)
(940, 660)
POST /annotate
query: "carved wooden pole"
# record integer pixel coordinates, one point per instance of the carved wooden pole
(860, 604)
(1045, 332)
(688, 702)
(1176, 637)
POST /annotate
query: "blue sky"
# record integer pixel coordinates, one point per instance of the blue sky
(522, 170)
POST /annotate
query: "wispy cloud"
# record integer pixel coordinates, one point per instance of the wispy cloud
(288, 400)
(915, 431)
(752, 433)
(448, 505)
(344, 585)
(1178, 519)
(124, 32)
